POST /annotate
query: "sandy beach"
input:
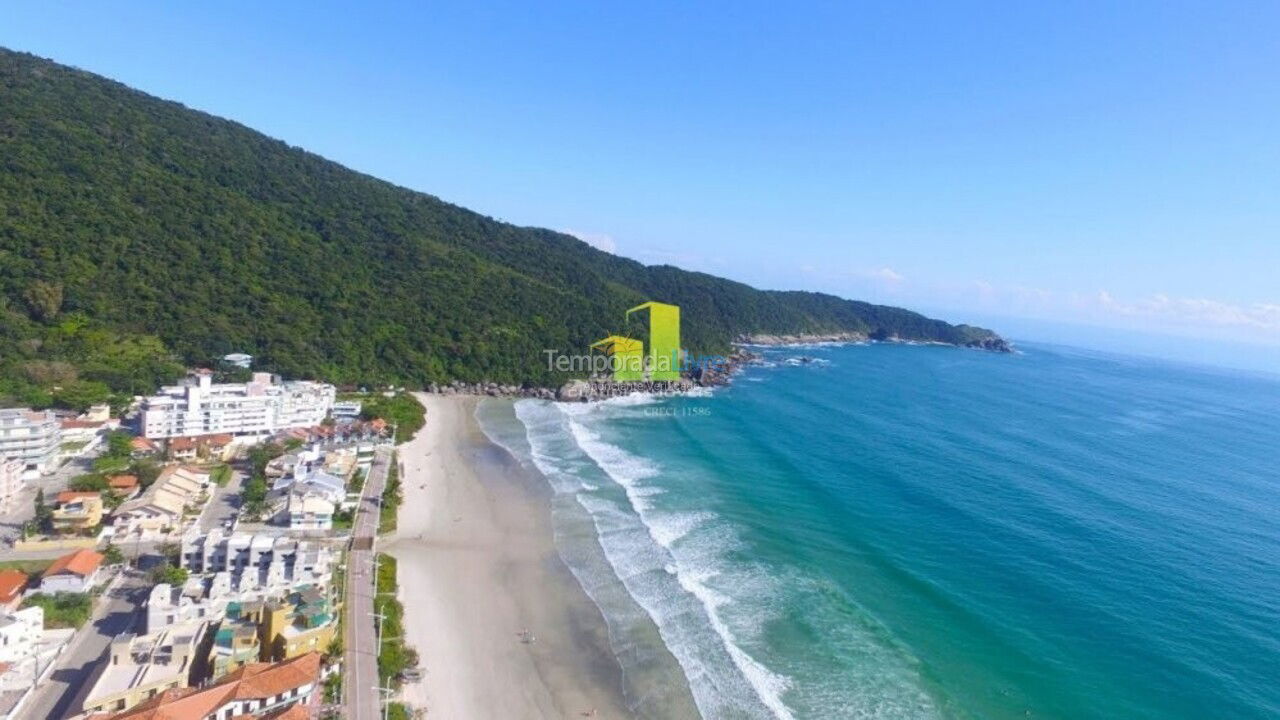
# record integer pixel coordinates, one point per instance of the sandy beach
(477, 566)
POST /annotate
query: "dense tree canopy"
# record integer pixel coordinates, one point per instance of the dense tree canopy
(135, 232)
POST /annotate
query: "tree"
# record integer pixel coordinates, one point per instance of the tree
(44, 513)
(44, 299)
(119, 444)
(167, 573)
(112, 555)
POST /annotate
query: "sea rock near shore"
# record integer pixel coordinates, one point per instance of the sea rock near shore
(799, 339)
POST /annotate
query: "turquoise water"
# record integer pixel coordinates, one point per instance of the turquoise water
(926, 532)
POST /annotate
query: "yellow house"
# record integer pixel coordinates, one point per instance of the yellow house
(77, 511)
(299, 625)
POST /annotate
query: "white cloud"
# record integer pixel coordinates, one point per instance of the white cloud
(600, 241)
(887, 274)
(1196, 311)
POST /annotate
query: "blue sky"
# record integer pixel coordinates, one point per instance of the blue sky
(1112, 164)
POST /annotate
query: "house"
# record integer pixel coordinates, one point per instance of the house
(286, 690)
(20, 633)
(239, 360)
(12, 583)
(11, 481)
(141, 667)
(160, 508)
(168, 606)
(75, 572)
(202, 447)
(308, 510)
(75, 430)
(143, 447)
(259, 408)
(257, 562)
(77, 511)
(125, 486)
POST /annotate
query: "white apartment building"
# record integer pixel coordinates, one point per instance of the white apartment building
(20, 633)
(33, 437)
(11, 472)
(257, 562)
(262, 406)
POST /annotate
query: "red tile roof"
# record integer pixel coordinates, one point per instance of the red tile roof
(67, 496)
(182, 443)
(123, 482)
(12, 583)
(80, 562)
(72, 423)
(256, 680)
(141, 444)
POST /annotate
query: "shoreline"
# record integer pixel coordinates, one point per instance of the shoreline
(477, 566)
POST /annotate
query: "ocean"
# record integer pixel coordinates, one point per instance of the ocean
(894, 531)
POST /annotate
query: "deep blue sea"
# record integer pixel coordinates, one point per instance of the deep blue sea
(895, 531)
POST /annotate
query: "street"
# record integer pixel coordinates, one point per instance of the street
(223, 505)
(64, 692)
(360, 672)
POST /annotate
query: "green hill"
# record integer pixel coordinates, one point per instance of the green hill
(130, 224)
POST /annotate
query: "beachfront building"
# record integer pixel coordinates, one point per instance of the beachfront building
(162, 506)
(11, 481)
(75, 572)
(32, 437)
(258, 408)
(141, 667)
(257, 562)
(288, 690)
(307, 510)
(77, 512)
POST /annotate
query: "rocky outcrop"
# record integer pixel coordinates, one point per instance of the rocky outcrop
(799, 339)
(491, 389)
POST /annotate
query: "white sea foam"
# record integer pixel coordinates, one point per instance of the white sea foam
(665, 529)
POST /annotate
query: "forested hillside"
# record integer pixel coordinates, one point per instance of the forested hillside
(137, 234)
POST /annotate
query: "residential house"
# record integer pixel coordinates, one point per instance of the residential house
(77, 512)
(82, 432)
(257, 562)
(240, 360)
(143, 447)
(304, 621)
(160, 508)
(168, 605)
(288, 690)
(307, 510)
(141, 667)
(260, 407)
(75, 572)
(12, 583)
(202, 447)
(124, 486)
(34, 437)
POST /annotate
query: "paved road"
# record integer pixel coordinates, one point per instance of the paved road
(64, 692)
(224, 505)
(360, 671)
